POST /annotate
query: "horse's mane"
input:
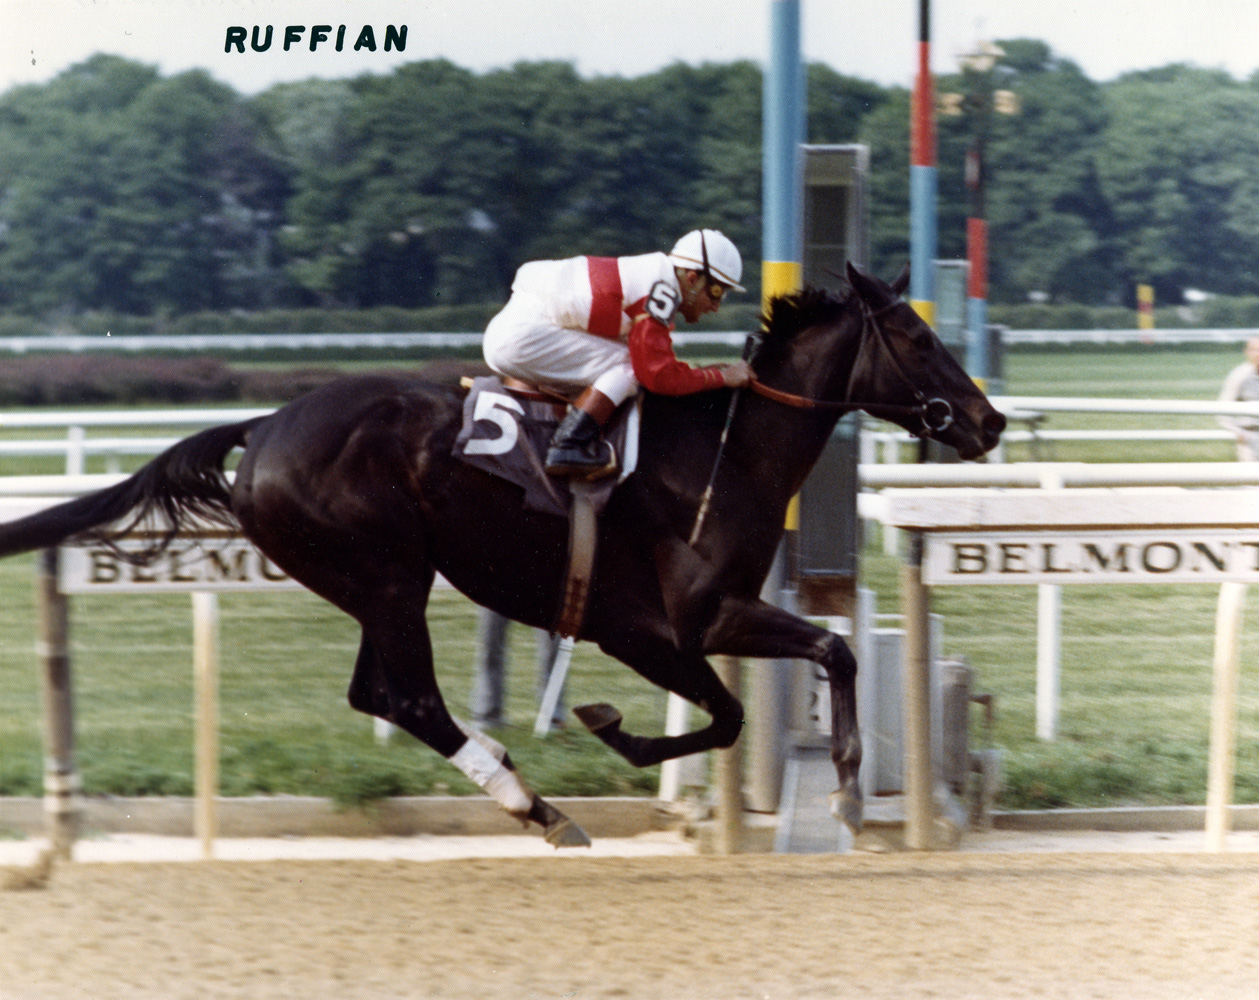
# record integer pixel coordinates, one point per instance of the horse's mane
(795, 311)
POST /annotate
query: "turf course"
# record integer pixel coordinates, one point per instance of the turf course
(1135, 686)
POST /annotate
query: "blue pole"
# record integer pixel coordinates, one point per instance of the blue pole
(782, 132)
(783, 114)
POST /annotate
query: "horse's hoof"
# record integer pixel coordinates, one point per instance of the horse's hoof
(566, 833)
(596, 717)
(848, 810)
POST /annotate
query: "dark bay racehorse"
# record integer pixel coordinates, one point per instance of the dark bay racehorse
(353, 491)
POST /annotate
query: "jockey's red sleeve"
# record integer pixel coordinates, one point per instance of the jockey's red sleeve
(658, 369)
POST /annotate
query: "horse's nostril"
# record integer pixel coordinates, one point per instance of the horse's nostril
(994, 423)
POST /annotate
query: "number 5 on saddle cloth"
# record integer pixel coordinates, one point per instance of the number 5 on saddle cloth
(507, 434)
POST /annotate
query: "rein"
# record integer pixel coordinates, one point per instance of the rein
(934, 414)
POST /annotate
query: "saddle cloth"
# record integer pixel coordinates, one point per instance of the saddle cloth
(507, 435)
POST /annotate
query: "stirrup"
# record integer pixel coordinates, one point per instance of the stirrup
(576, 449)
(571, 462)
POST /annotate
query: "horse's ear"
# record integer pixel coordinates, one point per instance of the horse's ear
(901, 281)
(856, 280)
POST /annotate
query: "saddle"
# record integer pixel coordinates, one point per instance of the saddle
(507, 427)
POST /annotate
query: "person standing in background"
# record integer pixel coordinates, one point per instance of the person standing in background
(1242, 385)
(488, 699)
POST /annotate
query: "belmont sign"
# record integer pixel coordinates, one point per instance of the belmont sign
(1174, 555)
(204, 564)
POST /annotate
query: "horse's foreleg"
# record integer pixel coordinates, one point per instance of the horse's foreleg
(486, 762)
(398, 685)
(687, 675)
(756, 629)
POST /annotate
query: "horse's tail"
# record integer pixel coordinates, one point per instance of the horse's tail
(183, 484)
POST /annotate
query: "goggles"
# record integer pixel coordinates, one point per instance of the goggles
(716, 290)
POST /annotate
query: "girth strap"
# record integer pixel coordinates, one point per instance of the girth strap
(582, 539)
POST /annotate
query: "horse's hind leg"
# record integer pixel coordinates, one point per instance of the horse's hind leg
(687, 675)
(394, 679)
(753, 628)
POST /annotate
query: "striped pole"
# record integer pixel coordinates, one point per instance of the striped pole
(977, 255)
(915, 599)
(922, 177)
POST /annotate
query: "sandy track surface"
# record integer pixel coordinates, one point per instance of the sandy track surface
(905, 926)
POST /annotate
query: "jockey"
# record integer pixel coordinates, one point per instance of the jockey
(593, 329)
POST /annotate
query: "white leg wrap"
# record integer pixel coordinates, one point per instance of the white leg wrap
(492, 745)
(488, 771)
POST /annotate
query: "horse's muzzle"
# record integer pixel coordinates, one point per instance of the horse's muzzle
(993, 425)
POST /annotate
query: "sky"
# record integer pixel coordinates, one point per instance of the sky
(871, 39)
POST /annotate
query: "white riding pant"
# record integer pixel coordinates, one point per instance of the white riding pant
(522, 343)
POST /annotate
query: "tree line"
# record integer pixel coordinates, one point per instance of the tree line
(124, 190)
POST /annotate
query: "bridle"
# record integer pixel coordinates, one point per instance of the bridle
(934, 415)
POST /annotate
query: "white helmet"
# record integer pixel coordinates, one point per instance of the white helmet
(710, 253)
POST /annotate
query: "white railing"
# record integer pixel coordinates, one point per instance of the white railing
(1016, 406)
(882, 443)
(77, 444)
(1150, 337)
(233, 342)
(203, 342)
(876, 444)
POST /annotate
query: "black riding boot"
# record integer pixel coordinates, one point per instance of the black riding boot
(578, 450)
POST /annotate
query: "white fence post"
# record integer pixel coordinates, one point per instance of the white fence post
(1048, 642)
(205, 666)
(891, 456)
(1220, 765)
(75, 436)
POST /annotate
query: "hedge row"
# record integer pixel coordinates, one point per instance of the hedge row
(1231, 312)
(60, 380)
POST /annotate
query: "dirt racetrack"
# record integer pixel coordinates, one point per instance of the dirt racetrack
(901, 926)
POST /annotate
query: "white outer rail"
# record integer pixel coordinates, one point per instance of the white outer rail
(77, 445)
(1033, 474)
(199, 342)
(1170, 335)
(202, 342)
(1015, 405)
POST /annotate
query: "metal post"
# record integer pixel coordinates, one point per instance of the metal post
(769, 684)
(729, 770)
(783, 117)
(61, 778)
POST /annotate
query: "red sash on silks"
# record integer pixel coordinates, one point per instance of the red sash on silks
(606, 297)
